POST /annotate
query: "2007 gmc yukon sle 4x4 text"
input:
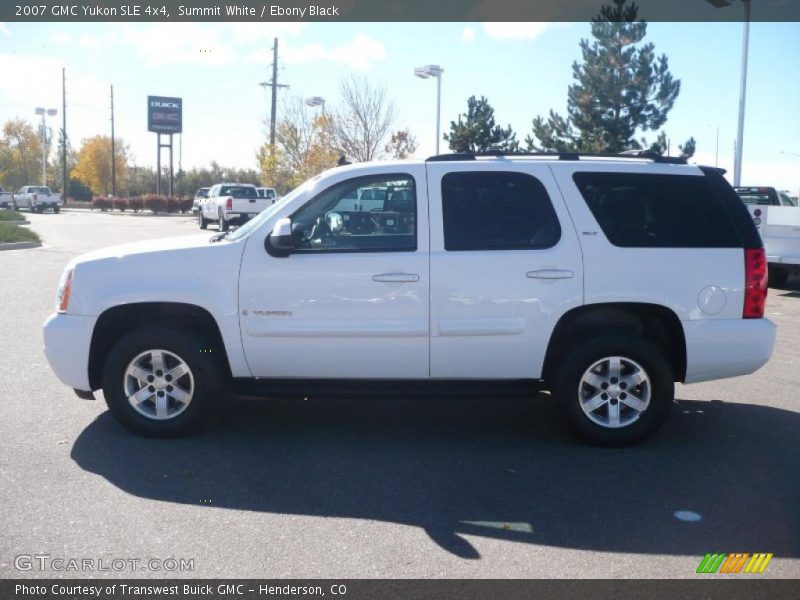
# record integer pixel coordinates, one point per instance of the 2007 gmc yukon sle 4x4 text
(602, 279)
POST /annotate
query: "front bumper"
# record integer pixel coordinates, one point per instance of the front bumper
(67, 339)
(721, 348)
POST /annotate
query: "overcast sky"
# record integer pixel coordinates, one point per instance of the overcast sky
(523, 68)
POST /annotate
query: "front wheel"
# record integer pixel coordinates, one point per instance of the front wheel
(223, 224)
(202, 220)
(614, 390)
(160, 382)
(56, 209)
(776, 277)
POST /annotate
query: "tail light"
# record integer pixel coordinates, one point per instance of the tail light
(755, 283)
(229, 204)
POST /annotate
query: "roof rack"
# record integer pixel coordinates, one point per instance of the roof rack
(630, 154)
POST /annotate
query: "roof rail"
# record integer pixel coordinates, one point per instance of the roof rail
(631, 154)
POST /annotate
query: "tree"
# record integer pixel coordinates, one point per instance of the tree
(479, 132)
(20, 154)
(662, 146)
(55, 168)
(361, 126)
(93, 166)
(304, 147)
(620, 88)
(401, 145)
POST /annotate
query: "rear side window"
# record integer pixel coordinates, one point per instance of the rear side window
(497, 210)
(637, 210)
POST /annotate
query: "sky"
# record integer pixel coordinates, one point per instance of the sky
(524, 70)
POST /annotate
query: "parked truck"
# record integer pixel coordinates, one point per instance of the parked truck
(6, 199)
(37, 198)
(229, 203)
(779, 226)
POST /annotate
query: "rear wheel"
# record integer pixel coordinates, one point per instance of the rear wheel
(158, 382)
(56, 209)
(615, 390)
(777, 277)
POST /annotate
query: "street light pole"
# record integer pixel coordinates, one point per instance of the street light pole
(737, 168)
(425, 73)
(45, 112)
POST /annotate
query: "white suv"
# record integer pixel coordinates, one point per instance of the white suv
(602, 279)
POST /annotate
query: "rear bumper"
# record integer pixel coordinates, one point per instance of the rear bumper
(67, 339)
(720, 348)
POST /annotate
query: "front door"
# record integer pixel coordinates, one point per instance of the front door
(352, 300)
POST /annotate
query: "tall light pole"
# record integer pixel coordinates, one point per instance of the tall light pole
(737, 163)
(45, 112)
(425, 73)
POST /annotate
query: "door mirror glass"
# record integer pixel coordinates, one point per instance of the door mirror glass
(335, 222)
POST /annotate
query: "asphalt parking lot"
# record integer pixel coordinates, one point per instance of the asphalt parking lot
(389, 488)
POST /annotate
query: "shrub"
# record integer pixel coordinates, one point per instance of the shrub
(136, 203)
(155, 204)
(185, 203)
(11, 215)
(120, 204)
(102, 202)
(172, 204)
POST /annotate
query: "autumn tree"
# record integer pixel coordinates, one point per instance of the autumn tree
(20, 154)
(401, 145)
(620, 88)
(477, 130)
(304, 147)
(364, 121)
(93, 166)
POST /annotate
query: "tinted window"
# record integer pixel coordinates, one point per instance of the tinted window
(763, 196)
(658, 211)
(340, 219)
(497, 210)
(238, 191)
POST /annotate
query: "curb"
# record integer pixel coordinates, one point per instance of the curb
(19, 245)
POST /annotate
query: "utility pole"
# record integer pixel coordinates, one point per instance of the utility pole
(113, 153)
(64, 177)
(274, 85)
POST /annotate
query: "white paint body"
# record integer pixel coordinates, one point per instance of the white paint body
(31, 198)
(423, 314)
(215, 206)
(780, 229)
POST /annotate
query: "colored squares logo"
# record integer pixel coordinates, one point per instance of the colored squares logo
(741, 562)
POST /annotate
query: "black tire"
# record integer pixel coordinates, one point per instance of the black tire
(567, 388)
(56, 210)
(205, 371)
(202, 220)
(777, 277)
(223, 224)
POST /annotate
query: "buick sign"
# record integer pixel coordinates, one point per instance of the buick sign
(164, 115)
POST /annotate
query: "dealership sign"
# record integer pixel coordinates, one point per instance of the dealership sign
(164, 115)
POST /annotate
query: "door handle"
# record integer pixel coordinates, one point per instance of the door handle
(550, 274)
(396, 277)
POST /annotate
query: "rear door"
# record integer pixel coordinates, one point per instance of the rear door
(505, 265)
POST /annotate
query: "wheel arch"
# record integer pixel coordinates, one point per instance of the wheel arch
(119, 320)
(650, 321)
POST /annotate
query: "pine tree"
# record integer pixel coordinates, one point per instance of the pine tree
(478, 132)
(621, 88)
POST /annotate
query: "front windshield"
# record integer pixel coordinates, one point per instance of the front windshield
(267, 213)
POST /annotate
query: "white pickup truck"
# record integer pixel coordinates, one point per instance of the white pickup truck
(228, 203)
(6, 199)
(37, 198)
(778, 221)
(604, 280)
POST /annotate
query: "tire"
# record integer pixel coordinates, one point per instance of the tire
(56, 209)
(200, 383)
(776, 277)
(202, 220)
(596, 426)
(223, 224)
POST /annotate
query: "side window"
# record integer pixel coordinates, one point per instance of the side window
(341, 219)
(637, 210)
(497, 210)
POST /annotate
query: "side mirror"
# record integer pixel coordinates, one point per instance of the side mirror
(280, 242)
(335, 222)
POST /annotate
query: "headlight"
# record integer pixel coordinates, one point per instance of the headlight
(64, 289)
